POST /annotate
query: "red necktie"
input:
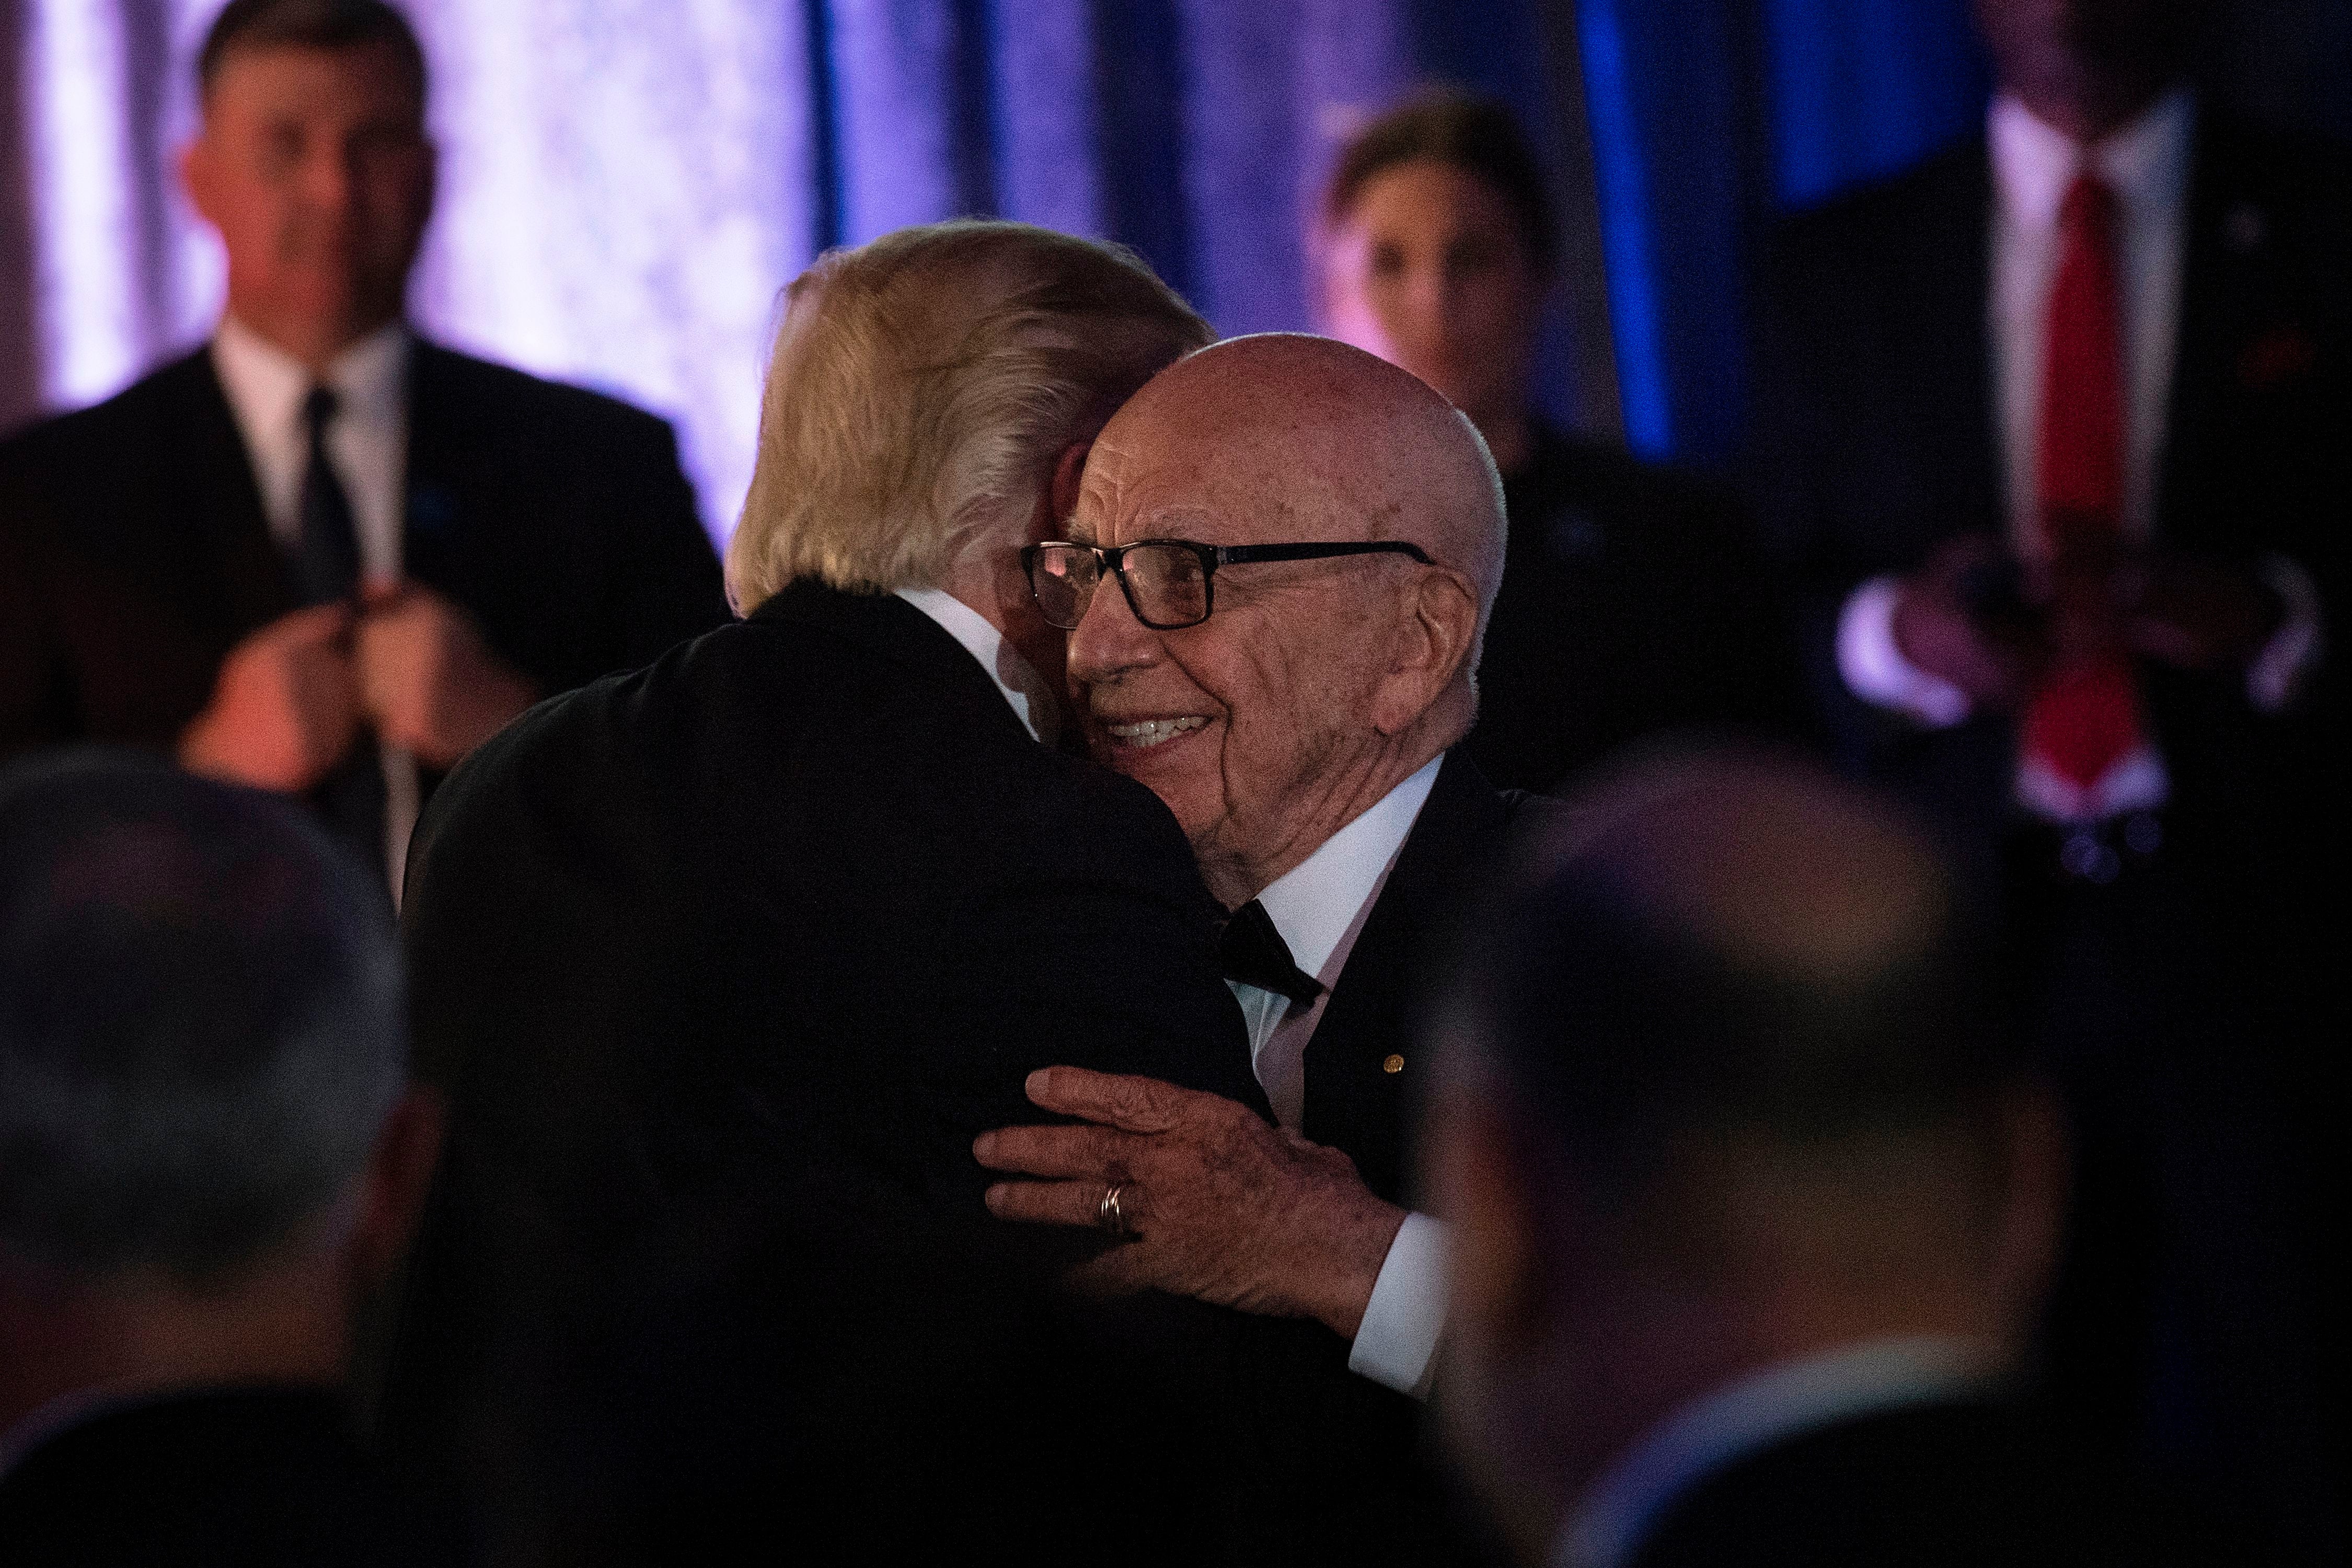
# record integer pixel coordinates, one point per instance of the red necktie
(2085, 718)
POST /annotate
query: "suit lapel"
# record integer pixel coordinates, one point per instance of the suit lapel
(1355, 1097)
(1945, 284)
(214, 475)
(2244, 338)
(430, 483)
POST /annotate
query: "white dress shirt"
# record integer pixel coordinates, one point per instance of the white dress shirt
(1319, 907)
(2146, 165)
(367, 442)
(1768, 1407)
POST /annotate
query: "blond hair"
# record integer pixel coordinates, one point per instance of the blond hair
(921, 388)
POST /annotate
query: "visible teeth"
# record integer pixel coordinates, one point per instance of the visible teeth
(1152, 732)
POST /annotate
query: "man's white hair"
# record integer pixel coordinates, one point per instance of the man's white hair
(921, 388)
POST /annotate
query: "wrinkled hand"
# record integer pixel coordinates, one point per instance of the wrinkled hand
(2203, 615)
(1964, 618)
(428, 681)
(285, 707)
(1219, 1205)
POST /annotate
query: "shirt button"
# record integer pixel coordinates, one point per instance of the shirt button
(1392, 1063)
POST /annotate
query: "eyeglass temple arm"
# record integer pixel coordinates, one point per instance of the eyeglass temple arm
(1239, 555)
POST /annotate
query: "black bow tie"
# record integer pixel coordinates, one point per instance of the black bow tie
(1255, 954)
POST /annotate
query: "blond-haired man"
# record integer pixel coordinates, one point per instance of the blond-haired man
(725, 963)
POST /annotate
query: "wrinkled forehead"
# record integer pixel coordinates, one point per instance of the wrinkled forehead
(1219, 481)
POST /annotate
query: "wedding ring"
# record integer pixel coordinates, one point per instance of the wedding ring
(1107, 1213)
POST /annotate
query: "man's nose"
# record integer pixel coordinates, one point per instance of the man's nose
(1107, 638)
(329, 176)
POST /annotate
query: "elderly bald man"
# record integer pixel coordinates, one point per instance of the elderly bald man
(1305, 543)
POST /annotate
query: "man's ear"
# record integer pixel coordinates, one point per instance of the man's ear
(1068, 469)
(399, 1175)
(195, 170)
(1440, 622)
(432, 178)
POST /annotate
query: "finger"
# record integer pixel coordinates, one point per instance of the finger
(1050, 1202)
(1116, 1099)
(1116, 1271)
(1062, 1153)
(317, 624)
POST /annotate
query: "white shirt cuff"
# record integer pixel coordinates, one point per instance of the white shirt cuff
(1875, 669)
(2277, 675)
(1396, 1345)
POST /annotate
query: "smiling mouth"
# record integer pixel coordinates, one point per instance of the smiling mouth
(1144, 732)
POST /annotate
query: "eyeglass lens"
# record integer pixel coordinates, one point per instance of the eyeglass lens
(1064, 580)
(1169, 586)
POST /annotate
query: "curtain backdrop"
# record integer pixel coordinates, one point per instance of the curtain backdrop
(626, 183)
(1711, 119)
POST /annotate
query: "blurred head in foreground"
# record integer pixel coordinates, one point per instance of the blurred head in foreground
(207, 1147)
(1723, 1091)
(1436, 245)
(931, 399)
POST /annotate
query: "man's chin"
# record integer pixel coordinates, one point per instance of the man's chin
(1150, 752)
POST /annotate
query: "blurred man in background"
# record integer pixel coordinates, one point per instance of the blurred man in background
(1635, 600)
(208, 1152)
(1752, 1200)
(320, 554)
(2053, 430)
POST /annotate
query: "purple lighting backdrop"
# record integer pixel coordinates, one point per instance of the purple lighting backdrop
(626, 183)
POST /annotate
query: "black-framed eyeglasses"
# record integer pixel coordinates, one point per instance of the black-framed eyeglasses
(1168, 581)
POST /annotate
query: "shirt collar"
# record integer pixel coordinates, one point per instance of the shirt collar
(2146, 162)
(1755, 1412)
(265, 384)
(1315, 902)
(1014, 676)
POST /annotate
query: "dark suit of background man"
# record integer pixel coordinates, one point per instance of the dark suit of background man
(727, 962)
(1752, 1197)
(321, 555)
(1634, 600)
(2055, 426)
(208, 1150)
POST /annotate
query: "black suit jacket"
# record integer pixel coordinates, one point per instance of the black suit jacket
(134, 553)
(1363, 1062)
(235, 1479)
(1338, 1465)
(725, 963)
(1634, 600)
(1938, 1486)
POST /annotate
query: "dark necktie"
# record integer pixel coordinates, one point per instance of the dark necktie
(1254, 953)
(2085, 718)
(351, 798)
(329, 560)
